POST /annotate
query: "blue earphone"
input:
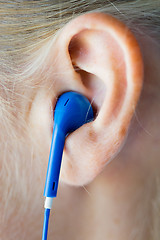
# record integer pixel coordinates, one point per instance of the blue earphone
(71, 112)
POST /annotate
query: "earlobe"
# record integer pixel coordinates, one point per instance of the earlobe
(106, 65)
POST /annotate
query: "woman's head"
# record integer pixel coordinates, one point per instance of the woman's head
(51, 47)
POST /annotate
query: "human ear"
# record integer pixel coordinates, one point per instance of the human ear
(97, 55)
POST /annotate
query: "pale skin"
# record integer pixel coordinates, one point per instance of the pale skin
(120, 171)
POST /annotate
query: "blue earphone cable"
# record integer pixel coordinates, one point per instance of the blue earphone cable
(45, 223)
(71, 112)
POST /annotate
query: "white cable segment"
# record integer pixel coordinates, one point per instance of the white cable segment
(48, 202)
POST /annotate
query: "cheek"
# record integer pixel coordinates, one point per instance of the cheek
(40, 120)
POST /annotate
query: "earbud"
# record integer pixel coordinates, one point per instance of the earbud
(71, 112)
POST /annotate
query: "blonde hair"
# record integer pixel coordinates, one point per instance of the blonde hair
(26, 25)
